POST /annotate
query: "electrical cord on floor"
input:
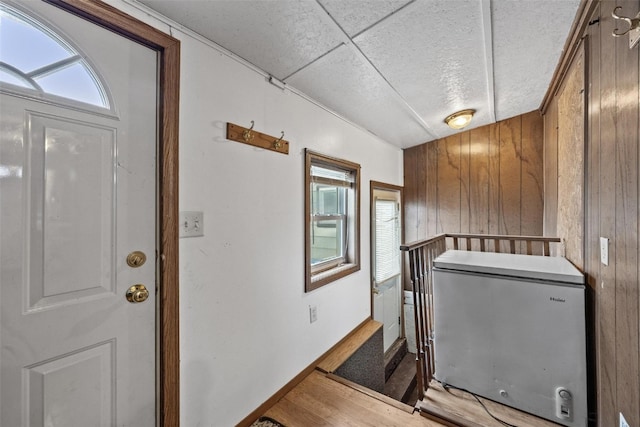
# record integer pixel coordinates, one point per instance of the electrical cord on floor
(448, 386)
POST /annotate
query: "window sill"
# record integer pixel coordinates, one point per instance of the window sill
(319, 279)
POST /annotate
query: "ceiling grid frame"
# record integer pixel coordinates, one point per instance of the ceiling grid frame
(349, 43)
(173, 26)
(488, 52)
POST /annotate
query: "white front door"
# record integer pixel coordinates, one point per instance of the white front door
(77, 196)
(386, 269)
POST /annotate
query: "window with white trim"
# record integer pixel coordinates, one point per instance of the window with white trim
(332, 210)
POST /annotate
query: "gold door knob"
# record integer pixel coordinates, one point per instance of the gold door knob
(137, 293)
(136, 259)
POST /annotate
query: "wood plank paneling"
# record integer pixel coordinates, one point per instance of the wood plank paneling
(612, 209)
(431, 172)
(611, 203)
(510, 177)
(532, 202)
(411, 186)
(627, 368)
(551, 172)
(462, 188)
(551, 169)
(637, 289)
(606, 298)
(465, 172)
(570, 225)
(494, 179)
(474, 180)
(423, 212)
(448, 200)
(410, 207)
(592, 205)
(479, 181)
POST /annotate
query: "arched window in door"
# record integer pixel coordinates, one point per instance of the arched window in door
(36, 61)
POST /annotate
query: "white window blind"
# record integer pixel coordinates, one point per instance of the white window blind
(387, 240)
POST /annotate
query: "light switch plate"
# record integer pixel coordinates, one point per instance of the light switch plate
(623, 422)
(191, 224)
(313, 313)
(604, 250)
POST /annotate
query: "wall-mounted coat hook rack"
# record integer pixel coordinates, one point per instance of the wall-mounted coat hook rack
(633, 30)
(257, 139)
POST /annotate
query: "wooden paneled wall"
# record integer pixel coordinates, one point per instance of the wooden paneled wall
(486, 180)
(611, 208)
(570, 163)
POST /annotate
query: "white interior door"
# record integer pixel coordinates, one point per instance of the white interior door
(387, 265)
(77, 195)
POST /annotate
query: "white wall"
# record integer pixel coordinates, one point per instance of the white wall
(244, 320)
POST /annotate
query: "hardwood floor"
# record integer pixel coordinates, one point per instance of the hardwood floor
(323, 399)
(320, 401)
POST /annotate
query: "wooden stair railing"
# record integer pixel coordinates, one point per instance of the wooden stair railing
(491, 243)
(421, 256)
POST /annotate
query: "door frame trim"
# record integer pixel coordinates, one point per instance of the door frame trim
(167, 329)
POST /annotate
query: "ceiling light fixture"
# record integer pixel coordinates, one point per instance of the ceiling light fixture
(460, 119)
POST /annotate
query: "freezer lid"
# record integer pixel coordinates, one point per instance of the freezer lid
(556, 269)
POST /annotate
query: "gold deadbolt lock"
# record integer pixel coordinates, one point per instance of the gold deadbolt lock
(137, 293)
(136, 259)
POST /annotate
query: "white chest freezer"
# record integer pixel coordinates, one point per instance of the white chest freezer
(511, 328)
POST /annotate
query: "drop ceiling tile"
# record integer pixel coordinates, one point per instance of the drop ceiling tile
(346, 83)
(528, 40)
(432, 53)
(279, 37)
(356, 15)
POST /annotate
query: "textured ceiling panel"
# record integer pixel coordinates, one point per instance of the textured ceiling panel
(346, 83)
(526, 51)
(412, 62)
(356, 15)
(432, 53)
(277, 36)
